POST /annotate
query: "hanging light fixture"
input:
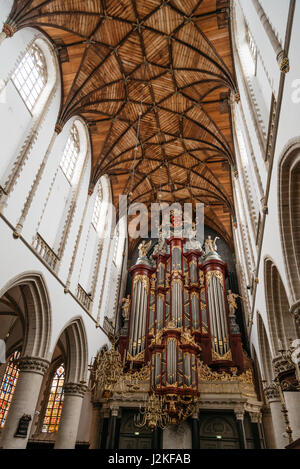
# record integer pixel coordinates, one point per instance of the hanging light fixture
(153, 414)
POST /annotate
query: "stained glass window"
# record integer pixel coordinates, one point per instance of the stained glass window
(55, 402)
(8, 386)
(71, 153)
(30, 76)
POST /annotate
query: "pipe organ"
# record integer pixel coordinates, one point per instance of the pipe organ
(179, 314)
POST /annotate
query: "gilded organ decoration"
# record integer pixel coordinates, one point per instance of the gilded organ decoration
(180, 317)
(144, 248)
(125, 307)
(232, 297)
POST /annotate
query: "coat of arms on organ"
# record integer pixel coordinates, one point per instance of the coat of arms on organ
(179, 315)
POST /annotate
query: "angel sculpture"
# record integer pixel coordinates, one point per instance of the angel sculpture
(125, 307)
(231, 298)
(210, 245)
(144, 248)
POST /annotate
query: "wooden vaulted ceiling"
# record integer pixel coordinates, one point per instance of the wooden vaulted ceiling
(166, 63)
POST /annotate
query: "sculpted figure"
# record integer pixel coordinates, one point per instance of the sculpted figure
(125, 307)
(144, 248)
(231, 297)
(210, 245)
(161, 246)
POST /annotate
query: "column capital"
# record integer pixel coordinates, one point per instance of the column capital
(239, 413)
(255, 417)
(33, 365)
(75, 389)
(283, 364)
(295, 308)
(9, 29)
(271, 393)
(114, 410)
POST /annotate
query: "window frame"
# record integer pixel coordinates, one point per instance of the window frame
(71, 154)
(97, 208)
(23, 72)
(6, 403)
(45, 426)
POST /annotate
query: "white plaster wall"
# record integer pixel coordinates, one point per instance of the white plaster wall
(48, 211)
(262, 40)
(6, 6)
(288, 131)
(277, 12)
(17, 259)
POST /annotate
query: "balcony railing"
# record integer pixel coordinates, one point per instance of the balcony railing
(45, 252)
(83, 297)
(108, 326)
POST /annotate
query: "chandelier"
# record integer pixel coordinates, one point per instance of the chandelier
(153, 414)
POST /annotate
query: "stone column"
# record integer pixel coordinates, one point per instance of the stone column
(292, 401)
(239, 414)
(156, 438)
(257, 431)
(281, 57)
(110, 443)
(267, 428)
(24, 401)
(272, 395)
(68, 427)
(105, 418)
(195, 431)
(95, 426)
(287, 374)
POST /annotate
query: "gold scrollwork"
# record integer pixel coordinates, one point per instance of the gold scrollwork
(214, 273)
(216, 356)
(176, 280)
(206, 374)
(144, 279)
(139, 357)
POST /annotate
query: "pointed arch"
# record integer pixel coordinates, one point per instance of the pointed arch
(37, 313)
(280, 320)
(265, 351)
(289, 213)
(74, 340)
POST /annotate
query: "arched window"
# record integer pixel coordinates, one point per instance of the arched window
(55, 402)
(8, 386)
(71, 153)
(97, 207)
(30, 77)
